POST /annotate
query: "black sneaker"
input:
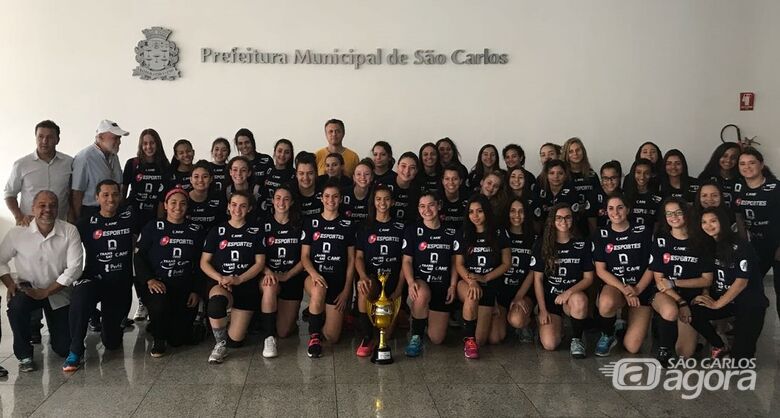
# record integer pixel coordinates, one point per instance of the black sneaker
(95, 325)
(158, 348)
(663, 356)
(126, 323)
(315, 347)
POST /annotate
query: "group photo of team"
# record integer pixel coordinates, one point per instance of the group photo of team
(649, 255)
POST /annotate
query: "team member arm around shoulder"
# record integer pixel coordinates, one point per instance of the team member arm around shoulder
(378, 248)
(328, 256)
(427, 264)
(737, 290)
(680, 272)
(233, 258)
(516, 297)
(481, 260)
(283, 258)
(563, 271)
(621, 253)
(166, 266)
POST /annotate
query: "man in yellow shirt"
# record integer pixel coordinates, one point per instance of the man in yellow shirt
(334, 133)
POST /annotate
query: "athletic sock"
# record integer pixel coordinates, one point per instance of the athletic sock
(418, 326)
(607, 325)
(364, 325)
(577, 325)
(316, 321)
(268, 321)
(220, 335)
(667, 333)
(469, 328)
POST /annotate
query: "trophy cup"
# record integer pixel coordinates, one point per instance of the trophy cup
(382, 313)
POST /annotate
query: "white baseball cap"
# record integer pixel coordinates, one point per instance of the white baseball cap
(106, 125)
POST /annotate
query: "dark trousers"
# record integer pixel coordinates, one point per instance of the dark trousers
(766, 259)
(19, 309)
(748, 323)
(115, 298)
(171, 319)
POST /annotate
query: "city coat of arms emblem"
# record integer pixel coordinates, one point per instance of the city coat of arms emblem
(156, 56)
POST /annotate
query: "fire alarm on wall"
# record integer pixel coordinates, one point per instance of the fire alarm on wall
(746, 100)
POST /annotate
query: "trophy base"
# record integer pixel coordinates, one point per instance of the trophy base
(382, 356)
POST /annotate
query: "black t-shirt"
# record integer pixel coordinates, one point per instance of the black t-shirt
(169, 252)
(431, 251)
(329, 242)
(744, 266)
(180, 179)
(387, 179)
(431, 183)
(547, 200)
(453, 213)
(381, 244)
(273, 180)
(688, 193)
(108, 244)
(352, 207)
(573, 259)
(209, 212)
(259, 166)
(405, 206)
(676, 259)
(282, 245)
(522, 250)
(760, 208)
(644, 209)
(260, 210)
(146, 182)
(219, 177)
(626, 254)
(726, 189)
(478, 256)
(233, 250)
(587, 187)
(311, 206)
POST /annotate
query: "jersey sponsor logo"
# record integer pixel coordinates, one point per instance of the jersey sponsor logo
(533, 261)
(165, 240)
(609, 248)
(743, 265)
(579, 245)
(316, 235)
(372, 238)
(252, 230)
(97, 234)
(345, 223)
(270, 240)
(423, 245)
(139, 177)
(666, 258)
(223, 244)
(348, 213)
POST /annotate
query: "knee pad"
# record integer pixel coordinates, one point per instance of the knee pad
(217, 307)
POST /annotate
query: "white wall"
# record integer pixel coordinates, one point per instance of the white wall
(613, 72)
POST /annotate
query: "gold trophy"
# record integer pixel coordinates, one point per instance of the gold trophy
(382, 313)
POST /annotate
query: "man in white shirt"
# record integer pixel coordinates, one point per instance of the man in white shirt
(48, 258)
(44, 169)
(93, 164)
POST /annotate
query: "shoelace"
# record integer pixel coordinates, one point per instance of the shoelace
(314, 339)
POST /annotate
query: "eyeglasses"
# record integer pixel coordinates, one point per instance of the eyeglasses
(615, 178)
(675, 213)
(567, 218)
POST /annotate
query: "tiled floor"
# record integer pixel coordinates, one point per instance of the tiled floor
(509, 380)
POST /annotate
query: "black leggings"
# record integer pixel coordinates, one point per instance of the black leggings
(766, 259)
(171, 319)
(115, 298)
(749, 321)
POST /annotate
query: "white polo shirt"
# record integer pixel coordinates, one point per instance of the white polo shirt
(90, 167)
(41, 260)
(30, 174)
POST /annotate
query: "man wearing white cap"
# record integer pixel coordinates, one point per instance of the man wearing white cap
(93, 164)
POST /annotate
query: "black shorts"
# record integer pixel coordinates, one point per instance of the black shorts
(438, 300)
(489, 292)
(292, 289)
(645, 298)
(505, 294)
(552, 307)
(335, 287)
(246, 296)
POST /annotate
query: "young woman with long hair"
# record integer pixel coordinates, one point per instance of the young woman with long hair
(307, 195)
(487, 162)
(611, 177)
(356, 200)
(206, 206)
(675, 180)
(585, 181)
(722, 168)
(453, 199)
(563, 272)
(450, 156)
(554, 188)
(681, 269)
(382, 156)
(651, 152)
(241, 180)
(144, 177)
(406, 189)
(641, 195)
(282, 172)
(259, 163)
(516, 297)
(429, 176)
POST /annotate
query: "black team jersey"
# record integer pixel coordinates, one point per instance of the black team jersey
(274, 179)
(387, 179)
(726, 189)
(431, 251)
(146, 183)
(282, 245)
(760, 208)
(676, 260)
(178, 179)
(587, 187)
(219, 177)
(108, 244)
(453, 213)
(260, 165)
(353, 208)
(329, 241)
(521, 246)
(405, 202)
(573, 259)
(547, 199)
(688, 194)
(169, 252)
(381, 244)
(311, 206)
(209, 212)
(233, 250)
(430, 183)
(478, 256)
(626, 254)
(644, 209)
(743, 266)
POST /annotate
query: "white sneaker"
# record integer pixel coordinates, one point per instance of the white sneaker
(269, 347)
(219, 353)
(141, 313)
